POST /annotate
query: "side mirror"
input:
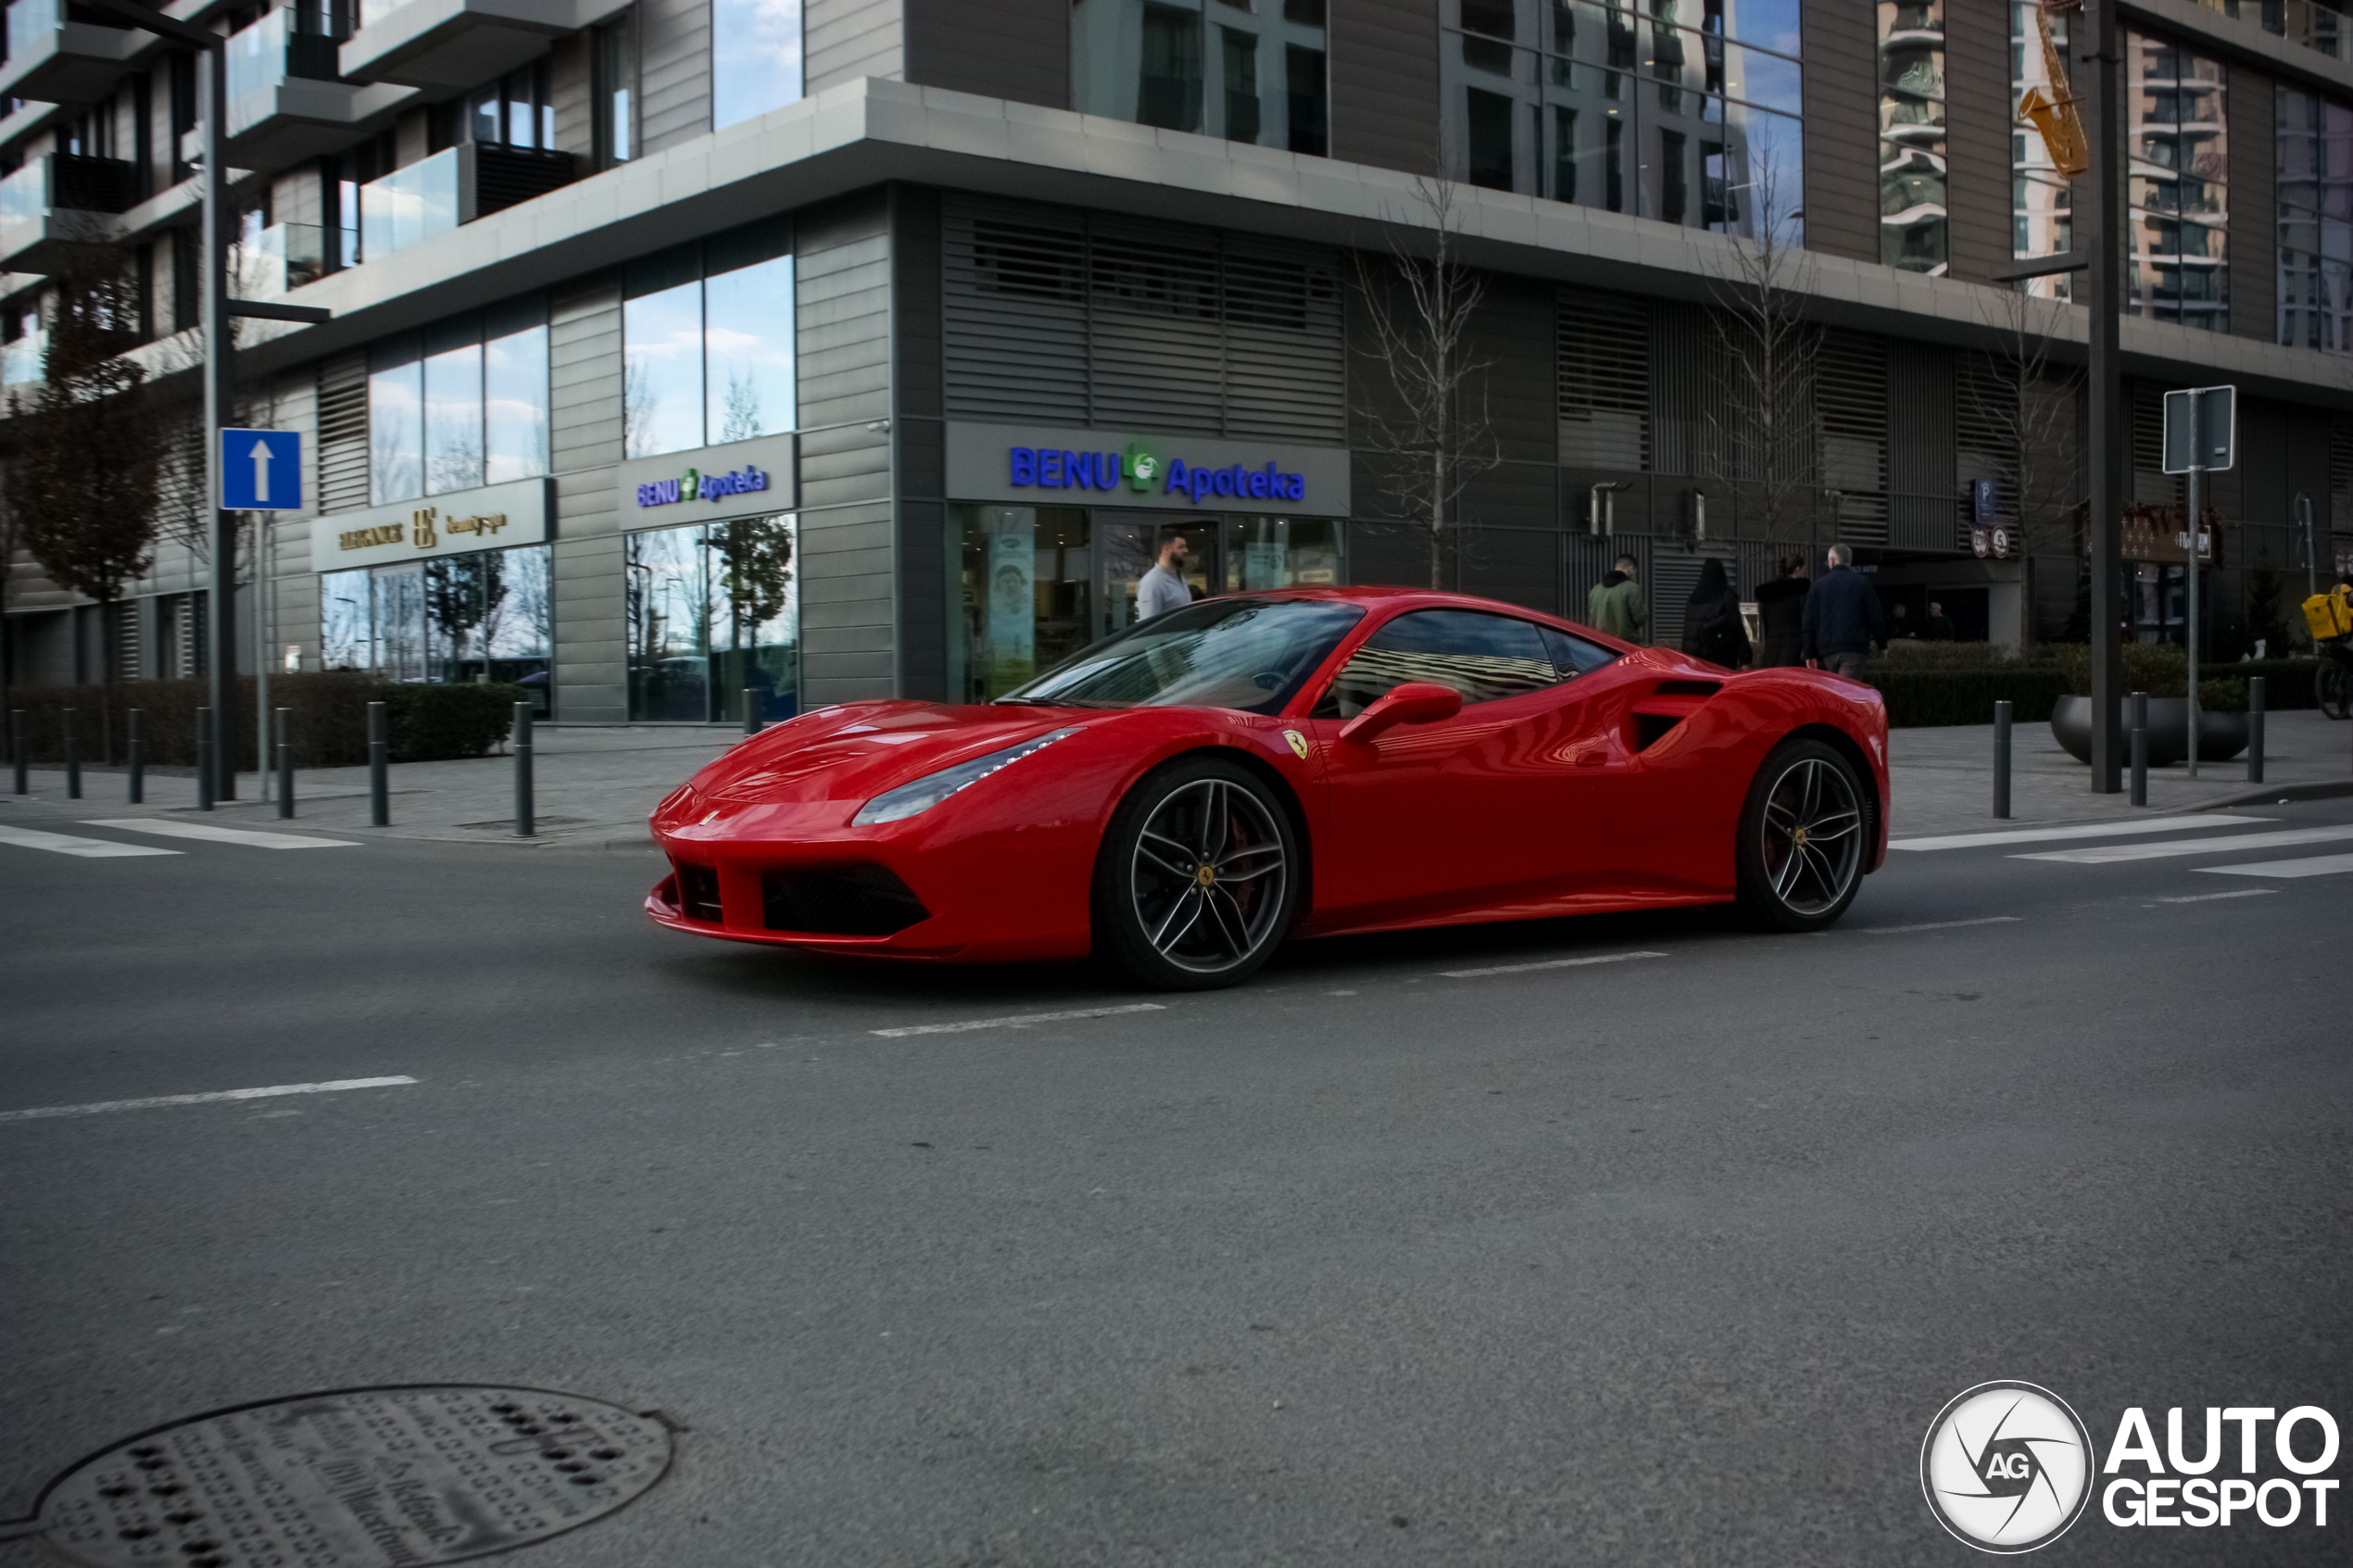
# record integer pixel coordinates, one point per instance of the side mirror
(1416, 702)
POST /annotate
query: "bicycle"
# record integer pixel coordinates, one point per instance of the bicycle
(2333, 682)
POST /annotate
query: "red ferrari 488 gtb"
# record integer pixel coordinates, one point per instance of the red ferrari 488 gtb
(1182, 796)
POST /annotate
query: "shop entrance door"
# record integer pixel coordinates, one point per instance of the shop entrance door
(1128, 543)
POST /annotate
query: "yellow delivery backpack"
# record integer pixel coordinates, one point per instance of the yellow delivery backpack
(2331, 614)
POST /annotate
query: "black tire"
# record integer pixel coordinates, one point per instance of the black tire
(2333, 687)
(1197, 877)
(1804, 837)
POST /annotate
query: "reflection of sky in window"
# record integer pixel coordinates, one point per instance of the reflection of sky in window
(661, 336)
(755, 58)
(396, 434)
(515, 405)
(1771, 24)
(453, 420)
(518, 628)
(1767, 80)
(344, 638)
(748, 317)
(668, 593)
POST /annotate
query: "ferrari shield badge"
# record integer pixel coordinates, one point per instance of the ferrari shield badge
(1298, 743)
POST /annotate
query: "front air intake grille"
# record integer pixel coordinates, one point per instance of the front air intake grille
(698, 892)
(840, 901)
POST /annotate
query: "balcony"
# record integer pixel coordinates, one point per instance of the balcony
(284, 102)
(62, 61)
(457, 186)
(450, 43)
(281, 257)
(55, 204)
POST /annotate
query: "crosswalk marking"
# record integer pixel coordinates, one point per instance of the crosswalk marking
(2209, 897)
(248, 836)
(2081, 830)
(1017, 1021)
(66, 844)
(2108, 854)
(100, 1107)
(1548, 964)
(1935, 926)
(2315, 865)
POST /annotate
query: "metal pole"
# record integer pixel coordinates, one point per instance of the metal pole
(379, 754)
(71, 722)
(2140, 748)
(212, 266)
(206, 775)
(2189, 632)
(261, 653)
(2099, 234)
(752, 719)
(522, 743)
(136, 755)
(285, 763)
(2002, 761)
(16, 751)
(2254, 729)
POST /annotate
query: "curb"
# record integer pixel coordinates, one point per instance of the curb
(2320, 789)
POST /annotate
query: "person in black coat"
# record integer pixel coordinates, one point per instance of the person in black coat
(1780, 607)
(1712, 628)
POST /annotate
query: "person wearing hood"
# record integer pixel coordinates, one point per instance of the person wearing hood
(1615, 607)
(1781, 610)
(1712, 628)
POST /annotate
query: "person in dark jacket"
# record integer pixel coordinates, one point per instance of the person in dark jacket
(1780, 608)
(1712, 628)
(1844, 619)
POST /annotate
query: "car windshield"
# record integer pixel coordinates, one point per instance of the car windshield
(1249, 654)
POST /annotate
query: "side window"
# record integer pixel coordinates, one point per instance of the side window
(1484, 657)
(1574, 656)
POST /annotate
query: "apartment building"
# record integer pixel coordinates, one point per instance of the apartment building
(826, 349)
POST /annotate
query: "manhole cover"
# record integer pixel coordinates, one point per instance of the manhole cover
(355, 1478)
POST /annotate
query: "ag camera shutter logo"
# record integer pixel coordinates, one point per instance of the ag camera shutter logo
(2006, 1467)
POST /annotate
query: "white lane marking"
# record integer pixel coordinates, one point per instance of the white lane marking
(273, 1091)
(224, 835)
(2316, 865)
(1548, 964)
(2108, 854)
(2085, 830)
(1935, 926)
(2209, 897)
(66, 844)
(1017, 1021)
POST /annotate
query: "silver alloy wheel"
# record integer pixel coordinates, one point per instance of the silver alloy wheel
(1813, 836)
(1209, 876)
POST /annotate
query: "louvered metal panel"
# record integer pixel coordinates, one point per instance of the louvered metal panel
(1923, 505)
(2341, 472)
(1153, 309)
(1674, 572)
(1681, 338)
(1605, 381)
(1851, 396)
(1014, 302)
(343, 433)
(1986, 422)
(1286, 354)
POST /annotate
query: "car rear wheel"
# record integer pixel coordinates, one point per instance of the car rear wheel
(1802, 848)
(1197, 878)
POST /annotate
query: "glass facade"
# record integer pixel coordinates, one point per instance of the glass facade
(2319, 25)
(484, 614)
(1038, 583)
(1244, 70)
(461, 405)
(2177, 148)
(2041, 202)
(713, 611)
(1683, 110)
(707, 334)
(2315, 185)
(410, 205)
(1913, 216)
(755, 58)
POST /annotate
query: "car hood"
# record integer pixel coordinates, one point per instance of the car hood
(859, 750)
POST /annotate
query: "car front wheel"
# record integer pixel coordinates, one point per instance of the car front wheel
(1197, 878)
(1802, 847)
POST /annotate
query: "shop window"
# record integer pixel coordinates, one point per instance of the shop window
(461, 405)
(755, 58)
(2315, 187)
(483, 615)
(1258, 75)
(707, 334)
(713, 612)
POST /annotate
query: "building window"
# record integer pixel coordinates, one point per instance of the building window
(755, 58)
(2177, 148)
(483, 614)
(2315, 144)
(1913, 230)
(713, 611)
(707, 342)
(1716, 131)
(614, 91)
(1242, 70)
(2041, 200)
(515, 111)
(2318, 25)
(459, 406)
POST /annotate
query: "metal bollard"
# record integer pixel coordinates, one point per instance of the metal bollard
(285, 763)
(379, 754)
(2254, 729)
(2140, 748)
(70, 719)
(521, 741)
(135, 756)
(2002, 761)
(753, 719)
(16, 750)
(203, 759)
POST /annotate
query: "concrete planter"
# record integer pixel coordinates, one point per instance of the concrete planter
(2221, 736)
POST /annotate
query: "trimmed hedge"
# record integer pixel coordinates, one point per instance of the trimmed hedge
(329, 726)
(1920, 694)
(1920, 698)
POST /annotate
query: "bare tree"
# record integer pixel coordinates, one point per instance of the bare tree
(1762, 435)
(1431, 436)
(2027, 406)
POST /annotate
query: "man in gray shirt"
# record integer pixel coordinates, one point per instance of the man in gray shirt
(1162, 588)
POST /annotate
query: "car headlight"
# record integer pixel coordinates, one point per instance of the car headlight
(908, 799)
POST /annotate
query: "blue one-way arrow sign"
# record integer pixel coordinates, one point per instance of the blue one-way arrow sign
(262, 470)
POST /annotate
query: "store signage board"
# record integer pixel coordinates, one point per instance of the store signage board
(262, 470)
(711, 483)
(1043, 464)
(2201, 428)
(487, 519)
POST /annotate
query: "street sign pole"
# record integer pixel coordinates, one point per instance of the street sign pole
(212, 96)
(2201, 433)
(2098, 219)
(2189, 633)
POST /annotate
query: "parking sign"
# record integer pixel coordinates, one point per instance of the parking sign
(262, 470)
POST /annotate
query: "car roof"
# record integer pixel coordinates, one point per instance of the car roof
(1373, 595)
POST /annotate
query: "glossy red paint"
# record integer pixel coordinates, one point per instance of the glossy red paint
(1619, 789)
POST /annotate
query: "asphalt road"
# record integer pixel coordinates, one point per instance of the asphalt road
(1664, 1260)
